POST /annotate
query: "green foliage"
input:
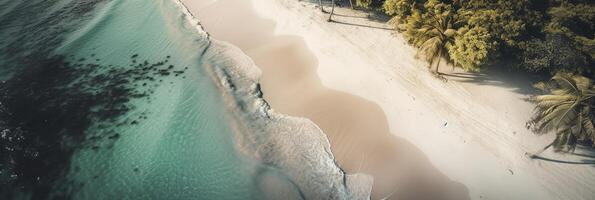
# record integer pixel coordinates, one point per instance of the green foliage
(434, 31)
(434, 19)
(363, 3)
(521, 29)
(426, 26)
(411, 29)
(508, 21)
(576, 22)
(400, 9)
(555, 53)
(567, 110)
(472, 48)
(368, 3)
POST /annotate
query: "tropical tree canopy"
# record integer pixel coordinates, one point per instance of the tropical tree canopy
(505, 27)
(506, 20)
(567, 109)
(369, 3)
(400, 9)
(555, 53)
(437, 32)
(577, 22)
(363, 3)
(472, 48)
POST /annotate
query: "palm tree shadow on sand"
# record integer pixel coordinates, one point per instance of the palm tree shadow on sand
(357, 128)
(583, 155)
(502, 73)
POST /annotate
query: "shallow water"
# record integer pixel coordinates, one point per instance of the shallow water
(149, 121)
(113, 99)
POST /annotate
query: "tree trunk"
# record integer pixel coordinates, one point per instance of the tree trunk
(534, 155)
(321, 8)
(330, 17)
(438, 63)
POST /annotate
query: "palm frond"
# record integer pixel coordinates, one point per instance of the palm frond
(565, 81)
(567, 110)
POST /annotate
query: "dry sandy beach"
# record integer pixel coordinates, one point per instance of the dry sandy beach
(384, 114)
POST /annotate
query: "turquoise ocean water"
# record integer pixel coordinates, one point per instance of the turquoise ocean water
(119, 99)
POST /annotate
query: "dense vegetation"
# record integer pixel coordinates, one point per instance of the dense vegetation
(541, 35)
(554, 37)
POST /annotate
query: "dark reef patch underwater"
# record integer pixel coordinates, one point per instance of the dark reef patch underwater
(100, 99)
(37, 111)
(46, 107)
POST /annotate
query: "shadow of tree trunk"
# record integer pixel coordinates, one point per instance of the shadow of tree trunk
(589, 162)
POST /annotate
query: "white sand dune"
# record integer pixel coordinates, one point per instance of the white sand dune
(385, 114)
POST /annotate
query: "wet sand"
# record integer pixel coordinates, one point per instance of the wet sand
(357, 128)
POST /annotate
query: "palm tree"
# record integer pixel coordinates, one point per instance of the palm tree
(435, 36)
(567, 110)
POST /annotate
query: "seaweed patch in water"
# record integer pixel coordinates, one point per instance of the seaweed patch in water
(46, 110)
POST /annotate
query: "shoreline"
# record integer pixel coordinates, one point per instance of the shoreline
(471, 128)
(289, 67)
(268, 137)
(271, 138)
